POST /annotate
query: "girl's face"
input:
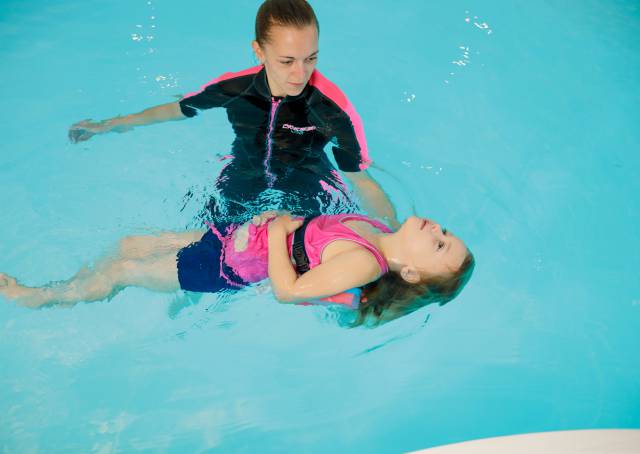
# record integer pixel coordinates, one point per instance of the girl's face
(431, 250)
(289, 58)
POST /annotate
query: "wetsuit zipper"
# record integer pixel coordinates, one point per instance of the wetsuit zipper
(275, 104)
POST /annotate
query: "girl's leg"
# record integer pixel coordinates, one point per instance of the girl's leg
(155, 270)
(143, 246)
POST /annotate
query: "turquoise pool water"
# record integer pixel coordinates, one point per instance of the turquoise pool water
(514, 123)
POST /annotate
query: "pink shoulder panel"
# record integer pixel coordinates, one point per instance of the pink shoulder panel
(225, 76)
(331, 91)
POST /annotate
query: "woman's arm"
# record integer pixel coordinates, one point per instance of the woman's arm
(374, 199)
(86, 129)
(343, 272)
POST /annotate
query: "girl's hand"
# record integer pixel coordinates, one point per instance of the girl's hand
(286, 224)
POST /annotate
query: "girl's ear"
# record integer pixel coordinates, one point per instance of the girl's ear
(258, 51)
(410, 274)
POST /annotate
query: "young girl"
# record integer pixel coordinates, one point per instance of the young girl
(400, 271)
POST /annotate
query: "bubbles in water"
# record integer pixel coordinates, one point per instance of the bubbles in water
(464, 59)
(436, 171)
(476, 23)
(538, 262)
(144, 32)
(168, 81)
(408, 97)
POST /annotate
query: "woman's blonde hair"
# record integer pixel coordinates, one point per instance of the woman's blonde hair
(391, 296)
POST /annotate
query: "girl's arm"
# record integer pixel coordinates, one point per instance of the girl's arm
(343, 272)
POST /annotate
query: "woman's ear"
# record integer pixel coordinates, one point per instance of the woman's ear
(258, 51)
(410, 274)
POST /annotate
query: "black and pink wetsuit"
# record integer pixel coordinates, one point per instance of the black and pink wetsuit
(280, 142)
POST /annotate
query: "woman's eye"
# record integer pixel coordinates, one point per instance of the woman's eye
(440, 244)
(312, 59)
(286, 62)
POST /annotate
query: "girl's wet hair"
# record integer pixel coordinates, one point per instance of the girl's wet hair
(295, 13)
(391, 296)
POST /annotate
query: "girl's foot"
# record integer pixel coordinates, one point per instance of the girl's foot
(24, 296)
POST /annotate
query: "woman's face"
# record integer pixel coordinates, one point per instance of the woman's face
(433, 251)
(289, 58)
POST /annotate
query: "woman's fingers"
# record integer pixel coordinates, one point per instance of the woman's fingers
(288, 223)
(83, 130)
(78, 131)
(79, 135)
(263, 217)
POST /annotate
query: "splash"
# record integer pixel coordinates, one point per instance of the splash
(463, 59)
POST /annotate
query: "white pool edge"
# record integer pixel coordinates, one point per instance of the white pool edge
(605, 441)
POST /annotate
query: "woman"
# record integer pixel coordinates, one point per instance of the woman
(283, 113)
(399, 271)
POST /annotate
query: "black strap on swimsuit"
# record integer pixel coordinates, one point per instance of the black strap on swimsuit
(297, 248)
(299, 252)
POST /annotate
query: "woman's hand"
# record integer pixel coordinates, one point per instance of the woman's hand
(285, 224)
(266, 216)
(86, 129)
(241, 235)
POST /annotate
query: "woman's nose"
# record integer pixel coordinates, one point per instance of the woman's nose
(298, 70)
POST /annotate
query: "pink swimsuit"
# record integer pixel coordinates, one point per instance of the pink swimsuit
(251, 264)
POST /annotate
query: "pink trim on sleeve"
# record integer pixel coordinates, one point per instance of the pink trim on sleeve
(331, 91)
(330, 189)
(225, 76)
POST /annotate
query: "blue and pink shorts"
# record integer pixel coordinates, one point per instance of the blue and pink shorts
(199, 266)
